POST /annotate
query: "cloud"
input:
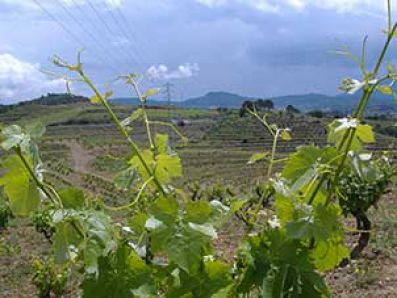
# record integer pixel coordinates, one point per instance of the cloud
(278, 5)
(212, 3)
(161, 72)
(120, 41)
(20, 80)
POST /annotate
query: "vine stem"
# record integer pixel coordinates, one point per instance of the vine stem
(34, 177)
(358, 113)
(143, 187)
(276, 134)
(145, 116)
(42, 187)
(266, 195)
(122, 130)
(273, 155)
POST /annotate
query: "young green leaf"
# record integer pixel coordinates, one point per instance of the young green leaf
(138, 113)
(306, 158)
(72, 198)
(256, 157)
(167, 168)
(13, 136)
(35, 130)
(387, 90)
(162, 143)
(285, 135)
(151, 92)
(108, 94)
(95, 99)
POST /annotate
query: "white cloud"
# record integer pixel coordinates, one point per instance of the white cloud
(22, 80)
(120, 41)
(370, 6)
(161, 72)
(212, 3)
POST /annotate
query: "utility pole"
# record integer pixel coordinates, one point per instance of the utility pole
(168, 93)
(168, 87)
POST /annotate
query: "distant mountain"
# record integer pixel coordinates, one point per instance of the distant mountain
(314, 101)
(214, 100)
(133, 101)
(305, 102)
(210, 100)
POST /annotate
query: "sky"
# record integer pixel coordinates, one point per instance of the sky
(261, 48)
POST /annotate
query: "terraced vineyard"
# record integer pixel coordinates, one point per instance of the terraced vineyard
(84, 141)
(83, 148)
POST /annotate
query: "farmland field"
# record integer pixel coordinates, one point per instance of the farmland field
(198, 149)
(82, 147)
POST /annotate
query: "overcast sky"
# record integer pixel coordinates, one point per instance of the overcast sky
(259, 48)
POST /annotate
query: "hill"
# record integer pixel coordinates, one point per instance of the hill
(215, 99)
(134, 101)
(53, 99)
(304, 102)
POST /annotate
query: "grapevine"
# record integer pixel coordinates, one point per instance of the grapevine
(163, 247)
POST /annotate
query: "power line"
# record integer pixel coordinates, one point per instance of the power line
(86, 31)
(88, 18)
(131, 34)
(107, 27)
(66, 29)
(121, 29)
(168, 93)
(143, 43)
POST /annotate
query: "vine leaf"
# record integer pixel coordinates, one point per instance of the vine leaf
(95, 99)
(121, 274)
(183, 238)
(165, 165)
(162, 143)
(306, 158)
(285, 135)
(72, 198)
(327, 254)
(364, 133)
(256, 157)
(126, 179)
(87, 235)
(13, 136)
(35, 130)
(387, 90)
(214, 281)
(138, 113)
(151, 92)
(279, 266)
(22, 193)
(168, 167)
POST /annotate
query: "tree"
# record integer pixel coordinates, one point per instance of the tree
(260, 105)
(290, 109)
(316, 114)
(247, 104)
(268, 105)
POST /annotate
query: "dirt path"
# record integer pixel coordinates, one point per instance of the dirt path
(80, 158)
